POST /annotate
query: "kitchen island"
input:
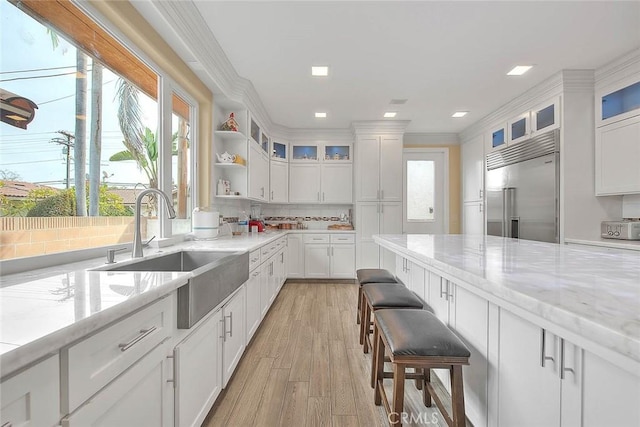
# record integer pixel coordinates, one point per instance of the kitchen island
(554, 330)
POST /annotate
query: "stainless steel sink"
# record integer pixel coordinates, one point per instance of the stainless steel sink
(214, 276)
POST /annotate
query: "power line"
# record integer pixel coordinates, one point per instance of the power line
(37, 77)
(36, 69)
(24, 163)
(69, 96)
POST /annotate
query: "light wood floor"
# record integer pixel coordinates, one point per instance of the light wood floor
(304, 367)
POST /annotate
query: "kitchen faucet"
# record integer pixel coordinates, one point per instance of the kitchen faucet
(137, 237)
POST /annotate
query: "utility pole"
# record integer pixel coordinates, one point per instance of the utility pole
(68, 144)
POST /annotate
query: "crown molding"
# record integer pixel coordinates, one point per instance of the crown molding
(420, 138)
(578, 81)
(618, 68)
(379, 127)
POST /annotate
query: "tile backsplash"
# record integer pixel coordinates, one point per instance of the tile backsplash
(308, 212)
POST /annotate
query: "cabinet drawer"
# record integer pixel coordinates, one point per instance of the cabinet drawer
(254, 259)
(94, 362)
(267, 250)
(316, 238)
(343, 238)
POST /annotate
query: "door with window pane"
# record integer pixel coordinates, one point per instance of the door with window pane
(424, 206)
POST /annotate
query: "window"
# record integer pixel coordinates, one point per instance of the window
(420, 190)
(95, 135)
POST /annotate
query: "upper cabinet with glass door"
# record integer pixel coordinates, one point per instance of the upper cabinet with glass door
(618, 101)
(337, 152)
(322, 152)
(520, 128)
(498, 137)
(304, 152)
(279, 151)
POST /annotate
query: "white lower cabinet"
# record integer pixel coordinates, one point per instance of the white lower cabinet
(329, 256)
(295, 256)
(265, 287)
(141, 396)
(32, 398)
(473, 218)
(198, 371)
(233, 333)
(253, 306)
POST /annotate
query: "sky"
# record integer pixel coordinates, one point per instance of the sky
(26, 45)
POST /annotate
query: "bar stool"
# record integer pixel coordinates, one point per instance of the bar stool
(418, 339)
(371, 275)
(376, 296)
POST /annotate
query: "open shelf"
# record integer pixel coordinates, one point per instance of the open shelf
(230, 196)
(230, 165)
(229, 134)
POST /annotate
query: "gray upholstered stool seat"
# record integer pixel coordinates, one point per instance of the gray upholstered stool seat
(383, 295)
(417, 339)
(374, 275)
(371, 275)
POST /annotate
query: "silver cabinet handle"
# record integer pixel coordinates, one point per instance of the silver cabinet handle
(449, 292)
(224, 329)
(7, 424)
(282, 258)
(480, 193)
(255, 273)
(443, 293)
(271, 194)
(143, 333)
(543, 349)
(230, 316)
(480, 207)
(318, 238)
(382, 209)
(563, 367)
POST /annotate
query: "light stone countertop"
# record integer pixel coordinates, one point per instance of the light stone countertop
(43, 310)
(591, 292)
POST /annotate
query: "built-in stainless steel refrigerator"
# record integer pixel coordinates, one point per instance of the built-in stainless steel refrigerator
(522, 185)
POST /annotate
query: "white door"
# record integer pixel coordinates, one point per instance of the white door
(316, 261)
(233, 332)
(390, 168)
(473, 169)
(336, 183)
(279, 182)
(426, 190)
(367, 168)
(253, 311)
(343, 261)
(304, 183)
(295, 256)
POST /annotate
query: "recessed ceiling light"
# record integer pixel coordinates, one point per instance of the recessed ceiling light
(519, 70)
(321, 115)
(458, 114)
(398, 101)
(390, 114)
(320, 71)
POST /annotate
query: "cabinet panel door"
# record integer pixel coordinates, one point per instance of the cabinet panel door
(337, 183)
(198, 371)
(295, 252)
(618, 157)
(529, 395)
(473, 169)
(367, 168)
(367, 221)
(473, 218)
(343, 259)
(234, 330)
(253, 309)
(279, 183)
(401, 269)
(391, 168)
(256, 170)
(416, 279)
(316, 261)
(141, 396)
(390, 218)
(304, 183)
(265, 289)
(32, 398)
(368, 254)
(610, 394)
(471, 323)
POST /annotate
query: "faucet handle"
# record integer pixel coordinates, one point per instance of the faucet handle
(111, 254)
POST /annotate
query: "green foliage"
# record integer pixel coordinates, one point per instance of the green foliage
(62, 204)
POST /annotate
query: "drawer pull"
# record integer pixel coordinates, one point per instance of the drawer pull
(143, 334)
(318, 238)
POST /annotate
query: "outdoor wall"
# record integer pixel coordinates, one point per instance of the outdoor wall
(22, 237)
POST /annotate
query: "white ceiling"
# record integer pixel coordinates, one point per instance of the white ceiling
(441, 56)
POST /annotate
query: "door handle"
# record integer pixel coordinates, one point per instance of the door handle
(543, 349)
(224, 329)
(143, 333)
(480, 193)
(271, 194)
(230, 324)
(443, 293)
(381, 194)
(318, 196)
(480, 207)
(563, 367)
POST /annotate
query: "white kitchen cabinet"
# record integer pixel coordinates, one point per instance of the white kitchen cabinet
(343, 256)
(618, 100)
(336, 183)
(253, 306)
(545, 116)
(412, 275)
(618, 157)
(317, 258)
(610, 394)
(265, 287)
(295, 256)
(233, 333)
(402, 272)
(258, 173)
(473, 170)
(497, 137)
(473, 217)
(379, 168)
(519, 128)
(304, 183)
(279, 182)
(141, 396)
(198, 371)
(376, 218)
(32, 397)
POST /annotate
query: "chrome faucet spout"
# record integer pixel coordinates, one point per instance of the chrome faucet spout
(137, 236)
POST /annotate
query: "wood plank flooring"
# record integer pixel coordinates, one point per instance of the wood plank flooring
(304, 367)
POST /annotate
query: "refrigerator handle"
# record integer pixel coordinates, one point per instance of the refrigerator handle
(515, 227)
(508, 200)
(505, 202)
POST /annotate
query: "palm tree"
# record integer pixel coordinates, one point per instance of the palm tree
(146, 159)
(95, 148)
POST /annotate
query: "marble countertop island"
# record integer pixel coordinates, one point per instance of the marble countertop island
(591, 292)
